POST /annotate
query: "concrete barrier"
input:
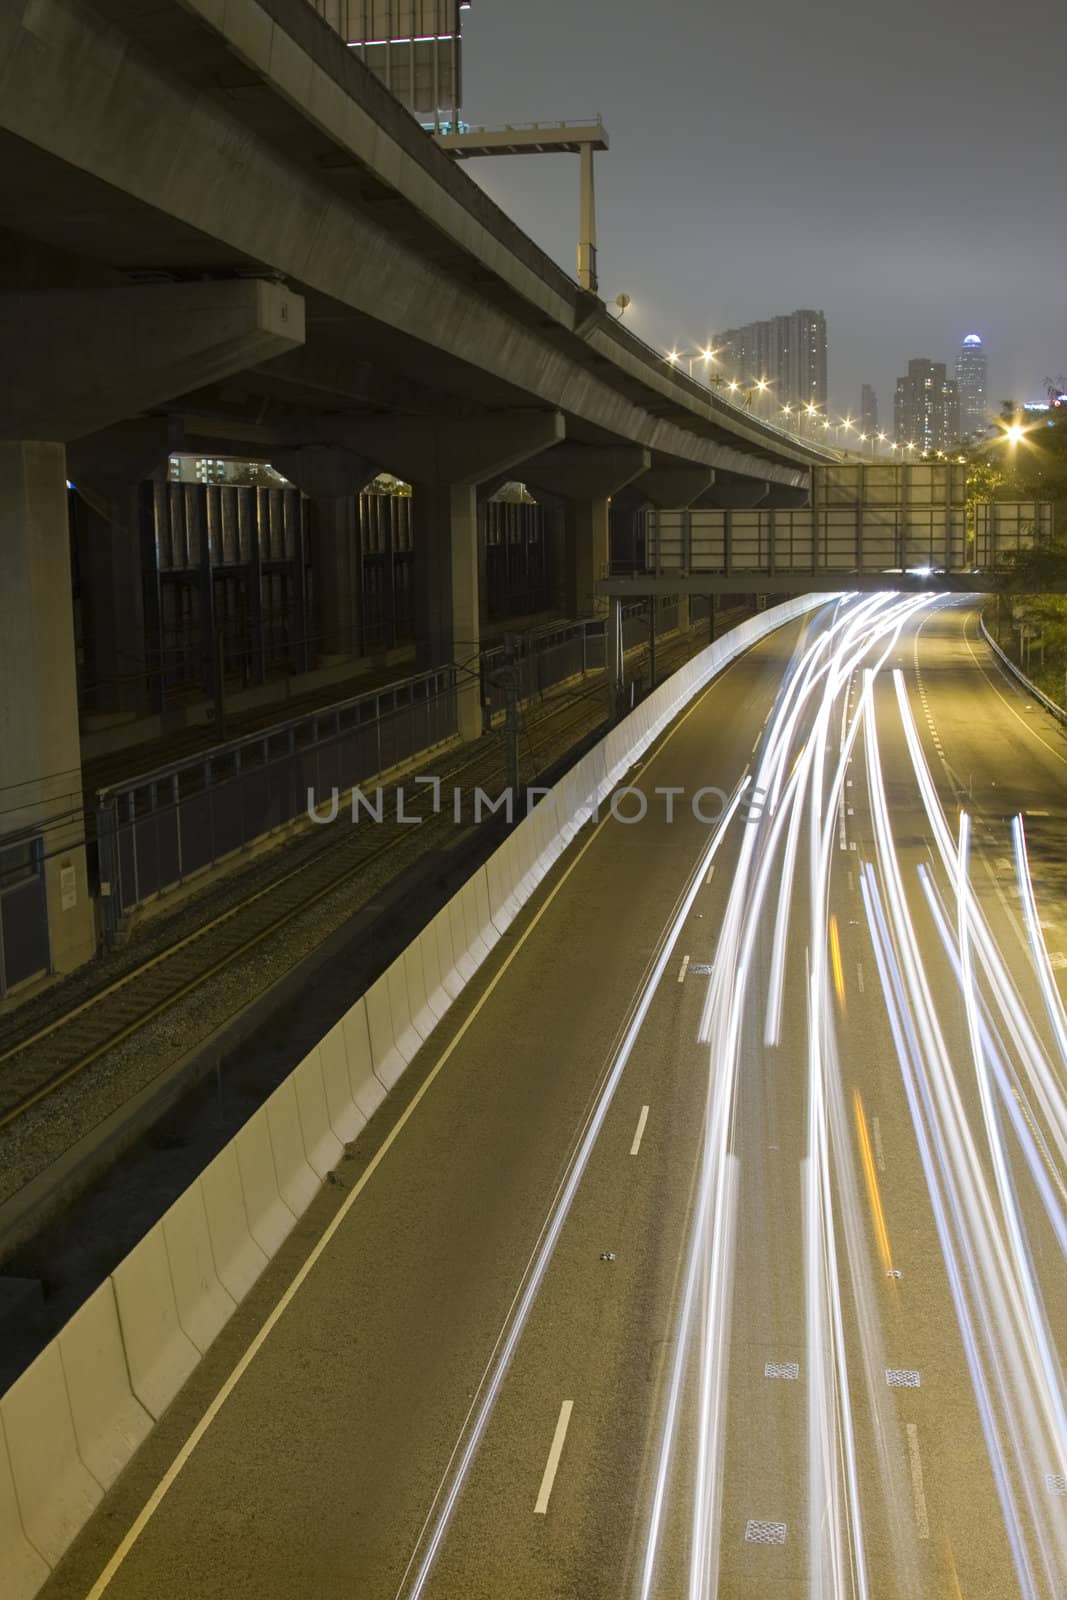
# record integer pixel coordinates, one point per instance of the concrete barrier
(24, 1568)
(321, 1145)
(451, 979)
(109, 1421)
(405, 1035)
(346, 1119)
(389, 1064)
(438, 999)
(270, 1220)
(239, 1260)
(159, 1353)
(56, 1492)
(466, 965)
(367, 1092)
(297, 1183)
(423, 1019)
(204, 1307)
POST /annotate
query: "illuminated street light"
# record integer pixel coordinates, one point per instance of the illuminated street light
(1015, 434)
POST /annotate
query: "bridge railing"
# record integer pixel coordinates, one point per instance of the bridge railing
(156, 830)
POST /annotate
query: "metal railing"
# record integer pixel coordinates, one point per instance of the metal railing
(549, 655)
(158, 829)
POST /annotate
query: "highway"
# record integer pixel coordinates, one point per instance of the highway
(714, 1246)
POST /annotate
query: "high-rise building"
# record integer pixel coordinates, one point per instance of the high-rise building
(788, 353)
(926, 413)
(413, 46)
(972, 379)
(868, 410)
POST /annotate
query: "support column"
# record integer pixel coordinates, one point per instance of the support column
(108, 542)
(585, 524)
(447, 590)
(335, 556)
(40, 756)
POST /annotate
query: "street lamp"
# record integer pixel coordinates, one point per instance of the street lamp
(689, 356)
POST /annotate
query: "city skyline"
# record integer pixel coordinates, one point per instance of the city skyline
(720, 201)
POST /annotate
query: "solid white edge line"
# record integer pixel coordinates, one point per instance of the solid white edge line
(683, 969)
(552, 1464)
(639, 1135)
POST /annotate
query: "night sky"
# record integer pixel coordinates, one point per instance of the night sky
(900, 168)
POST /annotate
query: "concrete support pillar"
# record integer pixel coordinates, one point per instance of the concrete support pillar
(447, 590)
(587, 551)
(335, 558)
(108, 544)
(40, 757)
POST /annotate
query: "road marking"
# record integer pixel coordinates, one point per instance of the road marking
(683, 969)
(711, 873)
(859, 976)
(552, 1464)
(922, 1521)
(879, 1153)
(851, 880)
(755, 747)
(173, 1472)
(639, 1135)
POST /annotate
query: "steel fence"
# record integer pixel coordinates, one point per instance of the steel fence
(156, 830)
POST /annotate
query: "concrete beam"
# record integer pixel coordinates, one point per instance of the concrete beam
(325, 472)
(672, 488)
(463, 450)
(733, 492)
(780, 497)
(587, 472)
(75, 361)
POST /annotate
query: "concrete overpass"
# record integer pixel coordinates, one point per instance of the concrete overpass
(220, 231)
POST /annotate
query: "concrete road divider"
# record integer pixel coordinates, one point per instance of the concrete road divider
(389, 1064)
(297, 1182)
(451, 977)
(367, 1092)
(270, 1220)
(159, 1353)
(423, 1019)
(56, 1492)
(437, 997)
(405, 1034)
(204, 1307)
(24, 1569)
(239, 1260)
(321, 1145)
(465, 964)
(346, 1119)
(109, 1421)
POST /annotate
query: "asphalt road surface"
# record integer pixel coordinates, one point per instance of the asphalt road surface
(717, 1240)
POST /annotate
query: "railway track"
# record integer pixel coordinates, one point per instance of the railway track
(36, 1065)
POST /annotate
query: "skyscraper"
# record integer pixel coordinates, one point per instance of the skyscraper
(973, 385)
(927, 408)
(788, 353)
(868, 410)
(413, 46)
